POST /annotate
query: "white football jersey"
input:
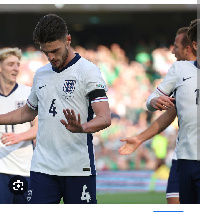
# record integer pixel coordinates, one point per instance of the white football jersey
(182, 80)
(59, 151)
(15, 159)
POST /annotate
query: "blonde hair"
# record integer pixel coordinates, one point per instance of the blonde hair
(7, 52)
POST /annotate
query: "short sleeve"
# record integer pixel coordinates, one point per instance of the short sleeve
(167, 86)
(32, 100)
(94, 80)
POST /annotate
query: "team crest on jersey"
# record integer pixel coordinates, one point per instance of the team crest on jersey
(69, 86)
(19, 104)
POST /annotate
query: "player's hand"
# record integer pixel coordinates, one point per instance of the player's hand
(73, 124)
(132, 143)
(11, 138)
(162, 102)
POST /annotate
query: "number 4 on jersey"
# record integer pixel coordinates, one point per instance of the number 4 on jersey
(52, 108)
(85, 195)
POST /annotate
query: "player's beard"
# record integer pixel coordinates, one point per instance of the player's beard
(63, 59)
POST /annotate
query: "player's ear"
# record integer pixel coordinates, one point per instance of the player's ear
(68, 39)
(194, 43)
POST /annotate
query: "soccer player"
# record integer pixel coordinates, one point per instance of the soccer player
(63, 163)
(16, 146)
(182, 80)
(183, 50)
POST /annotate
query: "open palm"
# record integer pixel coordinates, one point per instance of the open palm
(73, 124)
(132, 143)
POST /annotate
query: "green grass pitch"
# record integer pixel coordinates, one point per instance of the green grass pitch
(131, 198)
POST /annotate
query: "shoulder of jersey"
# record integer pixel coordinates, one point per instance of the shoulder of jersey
(183, 63)
(88, 64)
(24, 87)
(24, 90)
(46, 67)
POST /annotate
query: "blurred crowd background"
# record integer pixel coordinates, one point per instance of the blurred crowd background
(132, 47)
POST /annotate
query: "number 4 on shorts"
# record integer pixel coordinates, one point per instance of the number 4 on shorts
(85, 195)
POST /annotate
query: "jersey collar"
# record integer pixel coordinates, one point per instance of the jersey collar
(16, 86)
(196, 64)
(72, 62)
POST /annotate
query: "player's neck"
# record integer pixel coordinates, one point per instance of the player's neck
(192, 58)
(70, 56)
(6, 88)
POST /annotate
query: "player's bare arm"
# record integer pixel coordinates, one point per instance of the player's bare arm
(19, 116)
(162, 102)
(13, 138)
(102, 119)
(161, 123)
(99, 122)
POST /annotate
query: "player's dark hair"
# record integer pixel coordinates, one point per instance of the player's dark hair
(185, 40)
(192, 31)
(50, 28)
